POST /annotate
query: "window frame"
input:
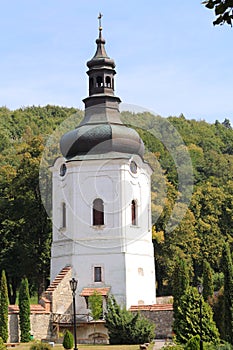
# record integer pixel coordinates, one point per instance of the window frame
(98, 212)
(98, 274)
(134, 213)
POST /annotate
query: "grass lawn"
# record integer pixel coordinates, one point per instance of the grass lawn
(26, 346)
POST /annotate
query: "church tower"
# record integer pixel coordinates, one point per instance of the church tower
(101, 198)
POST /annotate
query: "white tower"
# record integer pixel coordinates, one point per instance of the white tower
(101, 198)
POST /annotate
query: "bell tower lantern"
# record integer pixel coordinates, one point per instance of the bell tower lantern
(101, 69)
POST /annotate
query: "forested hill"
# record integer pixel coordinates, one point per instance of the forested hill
(25, 231)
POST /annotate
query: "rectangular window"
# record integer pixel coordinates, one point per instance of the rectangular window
(134, 213)
(63, 215)
(97, 274)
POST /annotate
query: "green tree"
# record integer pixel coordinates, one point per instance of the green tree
(208, 283)
(68, 341)
(223, 10)
(217, 304)
(2, 345)
(24, 311)
(96, 305)
(180, 283)
(187, 322)
(228, 293)
(4, 308)
(124, 327)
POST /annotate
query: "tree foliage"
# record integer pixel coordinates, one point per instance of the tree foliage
(223, 10)
(180, 283)
(4, 308)
(187, 323)
(96, 305)
(24, 311)
(124, 327)
(68, 341)
(208, 283)
(25, 235)
(228, 293)
(2, 345)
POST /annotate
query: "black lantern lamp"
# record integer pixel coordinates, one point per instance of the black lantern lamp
(73, 286)
(200, 291)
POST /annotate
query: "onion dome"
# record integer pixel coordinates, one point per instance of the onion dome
(101, 131)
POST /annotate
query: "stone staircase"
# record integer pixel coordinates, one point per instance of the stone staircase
(47, 296)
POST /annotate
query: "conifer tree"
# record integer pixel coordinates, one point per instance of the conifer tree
(24, 311)
(180, 282)
(4, 308)
(208, 283)
(124, 327)
(228, 293)
(187, 322)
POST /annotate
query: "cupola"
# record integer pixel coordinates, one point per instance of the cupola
(101, 131)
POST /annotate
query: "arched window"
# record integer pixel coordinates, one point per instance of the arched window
(98, 212)
(134, 212)
(63, 215)
(108, 82)
(99, 81)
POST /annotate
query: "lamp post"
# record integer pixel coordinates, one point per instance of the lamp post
(200, 290)
(73, 286)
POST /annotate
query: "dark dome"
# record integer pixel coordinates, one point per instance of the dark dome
(101, 138)
(101, 131)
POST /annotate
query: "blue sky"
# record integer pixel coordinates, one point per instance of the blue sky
(169, 57)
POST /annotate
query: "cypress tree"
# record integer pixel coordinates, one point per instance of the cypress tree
(68, 341)
(24, 311)
(208, 283)
(180, 282)
(4, 308)
(187, 322)
(228, 293)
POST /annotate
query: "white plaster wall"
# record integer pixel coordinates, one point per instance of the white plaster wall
(117, 246)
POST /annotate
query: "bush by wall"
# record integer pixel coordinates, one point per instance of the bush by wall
(68, 341)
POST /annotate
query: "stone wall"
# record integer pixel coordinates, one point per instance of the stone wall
(13, 328)
(40, 326)
(161, 315)
(163, 322)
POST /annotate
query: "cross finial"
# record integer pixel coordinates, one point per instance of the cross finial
(99, 18)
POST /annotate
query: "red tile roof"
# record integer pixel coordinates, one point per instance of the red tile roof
(86, 292)
(154, 307)
(35, 309)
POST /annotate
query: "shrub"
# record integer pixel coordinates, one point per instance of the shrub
(224, 346)
(68, 341)
(96, 301)
(4, 308)
(173, 347)
(193, 343)
(124, 327)
(38, 345)
(2, 346)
